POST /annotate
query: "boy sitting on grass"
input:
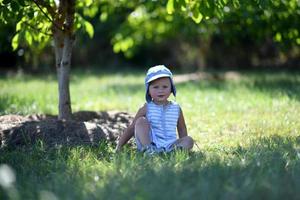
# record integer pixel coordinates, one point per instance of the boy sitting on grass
(154, 125)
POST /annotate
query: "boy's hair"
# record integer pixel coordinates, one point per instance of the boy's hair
(157, 72)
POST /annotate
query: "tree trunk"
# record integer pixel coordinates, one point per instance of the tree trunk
(63, 44)
(64, 79)
(63, 51)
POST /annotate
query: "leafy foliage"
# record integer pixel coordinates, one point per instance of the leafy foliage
(234, 20)
(35, 20)
(133, 24)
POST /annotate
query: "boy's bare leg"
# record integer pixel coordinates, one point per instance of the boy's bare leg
(142, 131)
(186, 142)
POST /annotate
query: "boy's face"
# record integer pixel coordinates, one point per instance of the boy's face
(160, 90)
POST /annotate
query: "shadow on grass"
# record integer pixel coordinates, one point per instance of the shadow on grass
(268, 169)
(58, 171)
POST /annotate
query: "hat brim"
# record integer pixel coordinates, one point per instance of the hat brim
(157, 77)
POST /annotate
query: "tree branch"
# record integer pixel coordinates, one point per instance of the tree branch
(36, 29)
(50, 9)
(40, 3)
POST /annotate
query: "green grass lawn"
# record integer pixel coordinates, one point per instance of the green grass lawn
(247, 130)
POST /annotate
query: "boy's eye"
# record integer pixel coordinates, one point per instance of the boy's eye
(165, 86)
(155, 86)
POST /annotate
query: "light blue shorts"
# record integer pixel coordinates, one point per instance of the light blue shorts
(168, 148)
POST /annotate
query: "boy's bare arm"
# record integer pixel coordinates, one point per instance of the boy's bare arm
(125, 136)
(181, 126)
(129, 132)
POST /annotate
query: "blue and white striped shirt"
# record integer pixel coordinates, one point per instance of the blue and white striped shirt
(163, 123)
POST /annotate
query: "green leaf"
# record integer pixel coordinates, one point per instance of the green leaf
(18, 26)
(88, 2)
(236, 3)
(225, 2)
(89, 28)
(15, 42)
(116, 48)
(28, 38)
(91, 11)
(278, 37)
(170, 6)
(197, 16)
(103, 16)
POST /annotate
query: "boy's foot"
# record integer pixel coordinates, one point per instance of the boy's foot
(149, 150)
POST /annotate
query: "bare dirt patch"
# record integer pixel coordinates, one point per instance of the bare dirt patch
(86, 128)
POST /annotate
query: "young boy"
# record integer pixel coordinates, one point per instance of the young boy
(154, 125)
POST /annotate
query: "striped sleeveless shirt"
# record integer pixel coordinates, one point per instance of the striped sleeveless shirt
(163, 123)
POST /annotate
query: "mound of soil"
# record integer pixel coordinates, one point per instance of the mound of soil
(86, 127)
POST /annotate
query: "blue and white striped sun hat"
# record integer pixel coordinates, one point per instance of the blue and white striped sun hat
(157, 72)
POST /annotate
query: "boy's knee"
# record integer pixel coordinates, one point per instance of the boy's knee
(141, 121)
(141, 126)
(189, 141)
(142, 131)
(186, 142)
